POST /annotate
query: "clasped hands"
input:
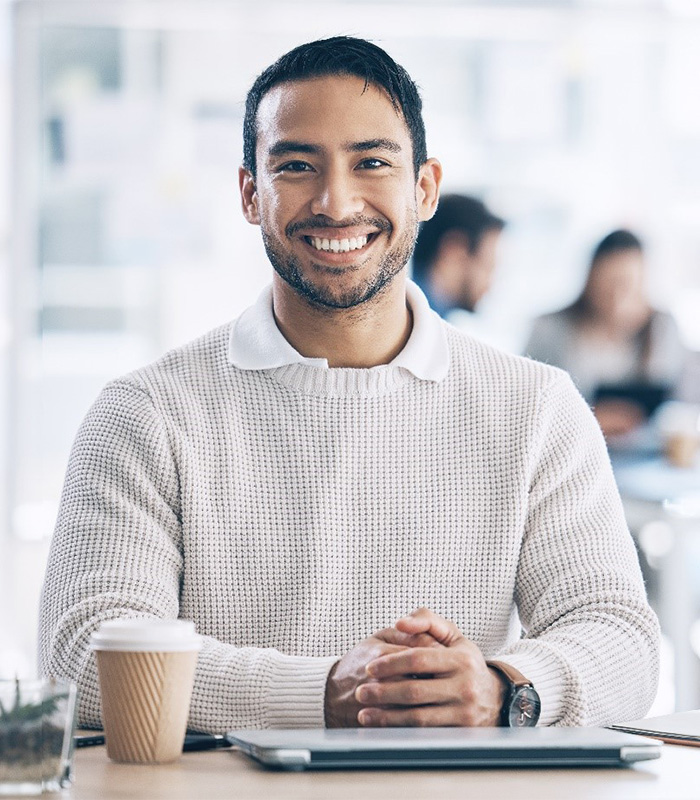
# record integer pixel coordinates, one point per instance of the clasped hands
(422, 672)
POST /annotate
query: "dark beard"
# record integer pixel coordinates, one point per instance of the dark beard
(288, 268)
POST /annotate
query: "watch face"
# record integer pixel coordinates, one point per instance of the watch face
(524, 708)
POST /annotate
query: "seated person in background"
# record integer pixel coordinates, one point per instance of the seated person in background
(623, 355)
(455, 254)
(366, 513)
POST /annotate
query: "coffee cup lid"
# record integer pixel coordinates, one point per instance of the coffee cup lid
(146, 634)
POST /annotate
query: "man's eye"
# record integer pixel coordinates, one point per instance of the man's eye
(295, 166)
(372, 163)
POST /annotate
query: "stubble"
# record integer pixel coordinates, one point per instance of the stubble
(330, 297)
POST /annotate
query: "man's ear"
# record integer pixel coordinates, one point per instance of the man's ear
(428, 188)
(249, 196)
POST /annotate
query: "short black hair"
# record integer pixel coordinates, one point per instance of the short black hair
(616, 241)
(455, 212)
(339, 55)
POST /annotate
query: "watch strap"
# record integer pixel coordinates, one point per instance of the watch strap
(515, 677)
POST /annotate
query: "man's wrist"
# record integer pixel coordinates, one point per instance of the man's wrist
(330, 719)
(521, 705)
(501, 687)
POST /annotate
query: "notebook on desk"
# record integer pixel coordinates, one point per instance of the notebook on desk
(682, 728)
(391, 748)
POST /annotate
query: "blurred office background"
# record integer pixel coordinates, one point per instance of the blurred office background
(120, 229)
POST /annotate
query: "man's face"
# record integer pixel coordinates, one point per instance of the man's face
(463, 277)
(335, 192)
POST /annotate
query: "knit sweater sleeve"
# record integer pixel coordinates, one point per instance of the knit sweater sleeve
(591, 642)
(117, 552)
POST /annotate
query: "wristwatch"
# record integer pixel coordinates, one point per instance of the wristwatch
(521, 706)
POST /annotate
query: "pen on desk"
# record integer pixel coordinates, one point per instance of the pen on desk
(193, 741)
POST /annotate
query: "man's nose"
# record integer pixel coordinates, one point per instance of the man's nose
(337, 197)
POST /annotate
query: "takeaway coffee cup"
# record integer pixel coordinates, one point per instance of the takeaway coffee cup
(679, 425)
(146, 671)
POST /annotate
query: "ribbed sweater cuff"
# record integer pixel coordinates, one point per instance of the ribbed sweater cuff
(547, 674)
(297, 691)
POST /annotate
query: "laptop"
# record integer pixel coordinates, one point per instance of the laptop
(390, 748)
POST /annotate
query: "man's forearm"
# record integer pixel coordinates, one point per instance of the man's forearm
(234, 687)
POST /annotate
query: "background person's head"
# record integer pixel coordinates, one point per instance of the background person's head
(614, 293)
(339, 55)
(455, 254)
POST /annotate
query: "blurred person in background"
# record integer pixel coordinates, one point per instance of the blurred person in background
(625, 356)
(455, 255)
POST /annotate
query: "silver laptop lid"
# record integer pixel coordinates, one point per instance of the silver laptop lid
(438, 747)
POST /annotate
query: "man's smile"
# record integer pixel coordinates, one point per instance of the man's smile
(337, 245)
(333, 241)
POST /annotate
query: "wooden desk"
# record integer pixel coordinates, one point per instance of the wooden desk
(227, 774)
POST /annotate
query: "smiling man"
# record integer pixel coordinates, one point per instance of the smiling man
(371, 518)
(335, 188)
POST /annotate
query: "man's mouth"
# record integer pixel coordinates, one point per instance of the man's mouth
(338, 245)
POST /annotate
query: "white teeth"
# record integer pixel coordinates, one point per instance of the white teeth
(339, 245)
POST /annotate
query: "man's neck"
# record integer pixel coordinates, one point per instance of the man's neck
(360, 337)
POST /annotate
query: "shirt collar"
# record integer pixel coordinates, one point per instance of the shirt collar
(256, 343)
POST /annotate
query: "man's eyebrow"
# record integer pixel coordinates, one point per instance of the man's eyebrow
(374, 144)
(286, 146)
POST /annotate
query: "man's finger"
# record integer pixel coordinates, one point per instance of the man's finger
(406, 692)
(412, 661)
(420, 716)
(384, 649)
(406, 639)
(423, 620)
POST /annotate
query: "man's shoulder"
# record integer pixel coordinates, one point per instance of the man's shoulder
(662, 319)
(199, 360)
(489, 366)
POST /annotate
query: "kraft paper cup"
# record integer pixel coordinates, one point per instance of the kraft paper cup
(681, 449)
(679, 426)
(146, 671)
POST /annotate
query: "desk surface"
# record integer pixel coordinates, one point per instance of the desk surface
(228, 774)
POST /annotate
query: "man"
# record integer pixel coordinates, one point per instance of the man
(455, 255)
(338, 458)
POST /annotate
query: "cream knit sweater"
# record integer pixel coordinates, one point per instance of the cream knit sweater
(291, 512)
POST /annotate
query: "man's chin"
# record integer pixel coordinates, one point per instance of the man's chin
(335, 298)
(324, 298)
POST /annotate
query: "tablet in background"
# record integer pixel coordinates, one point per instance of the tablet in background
(649, 396)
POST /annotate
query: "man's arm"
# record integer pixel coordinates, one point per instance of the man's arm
(117, 551)
(591, 641)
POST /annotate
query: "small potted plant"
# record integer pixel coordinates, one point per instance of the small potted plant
(37, 720)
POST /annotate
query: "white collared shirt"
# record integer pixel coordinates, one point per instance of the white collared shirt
(257, 343)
